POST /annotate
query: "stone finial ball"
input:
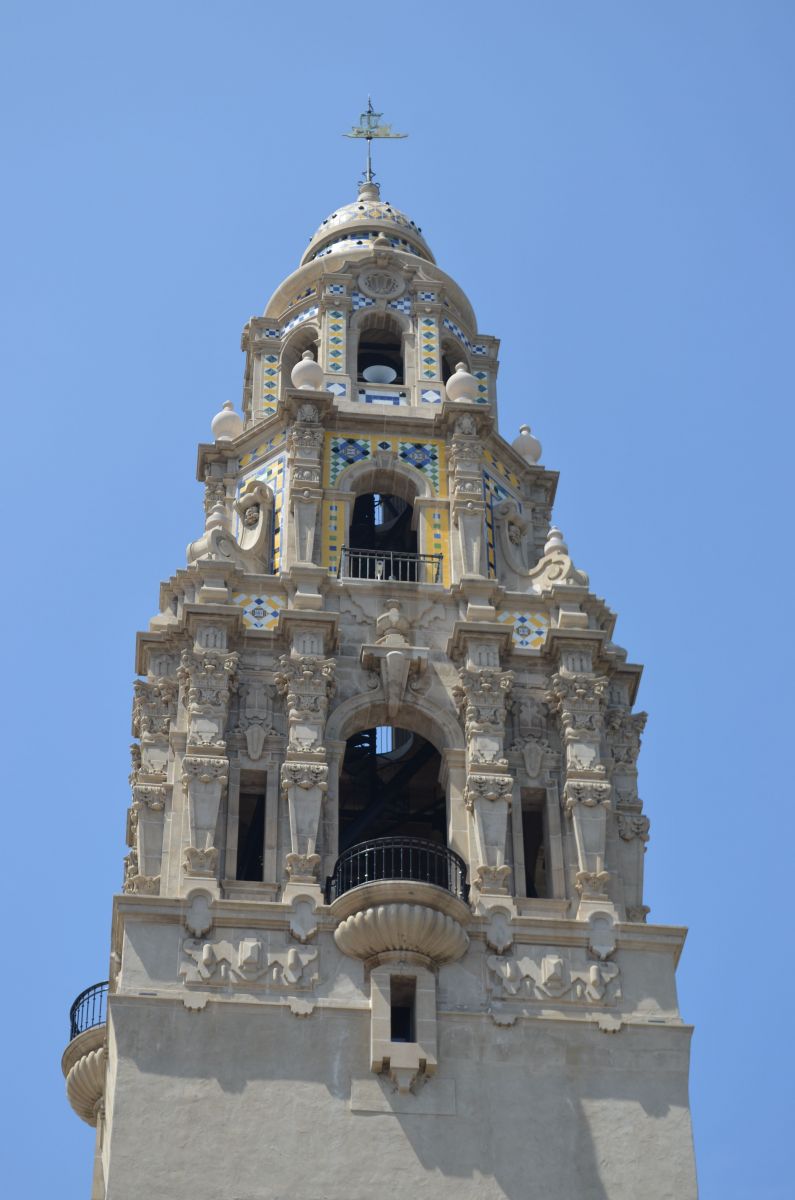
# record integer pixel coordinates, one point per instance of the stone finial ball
(528, 446)
(462, 385)
(307, 375)
(227, 424)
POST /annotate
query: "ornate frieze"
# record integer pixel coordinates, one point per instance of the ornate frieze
(261, 962)
(566, 977)
(255, 716)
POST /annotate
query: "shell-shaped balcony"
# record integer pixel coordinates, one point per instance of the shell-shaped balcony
(84, 1059)
(400, 895)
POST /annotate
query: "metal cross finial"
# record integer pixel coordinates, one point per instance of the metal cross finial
(369, 128)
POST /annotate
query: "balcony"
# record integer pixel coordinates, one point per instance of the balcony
(400, 895)
(394, 566)
(83, 1062)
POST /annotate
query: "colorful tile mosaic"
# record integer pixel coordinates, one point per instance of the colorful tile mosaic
(437, 538)
(528, 629)
(310, 291)
(423, 456)
(479, 348)
(271, 332)
(344, 451)
(426, 295)
(361, 238)
(333, 534)
(368, 396)
(483, 386)
(273, 473)
(337, 388)
(299, 318)
(336, 289)
(259, 612)
(429, 347)
(359, 300)
(431, 396)
(402, 304)
(273, 443)
(335, 340)
(427, 457)
(498, 467)
(270, 385)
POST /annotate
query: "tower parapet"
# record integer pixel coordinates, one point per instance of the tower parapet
(384, 780)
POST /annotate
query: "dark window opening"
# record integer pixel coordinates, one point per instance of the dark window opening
(389, 787)
(534, 853)
(382, 543)
(451, 356)
(251, 835)
(380, 358)
(402, 1003)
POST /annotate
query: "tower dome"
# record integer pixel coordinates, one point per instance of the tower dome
(357, 225)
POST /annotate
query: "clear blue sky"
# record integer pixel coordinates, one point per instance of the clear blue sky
(612, 184)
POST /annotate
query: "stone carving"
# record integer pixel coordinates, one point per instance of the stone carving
(499, 933)
(248, 959)
(251, 552)
(203, 780)
(530, 728)
(624, 732)
(303, 922)
(482, 696)
(307, 683)
(564, 978)
(555, 569)
(638, 912)
(214, 491)
(633, 825)
(146, 828)
(488, 798)
(306, 442)
(304, 784)
(307, 414)
(412, 928)
(154, 709)
(207, 677)
(256, 714)
(381, 284)
(198, 916)
(398, 663)
(85, 1081)
(511, 528)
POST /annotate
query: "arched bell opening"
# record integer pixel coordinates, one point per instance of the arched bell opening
(383, 538)
(389, 787)
(380, 350)
(392, 814)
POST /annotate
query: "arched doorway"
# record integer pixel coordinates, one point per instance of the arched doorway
(389, 787)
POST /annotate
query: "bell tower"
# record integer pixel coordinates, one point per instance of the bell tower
(382, 925)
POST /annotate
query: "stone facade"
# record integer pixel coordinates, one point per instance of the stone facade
(249, 1048)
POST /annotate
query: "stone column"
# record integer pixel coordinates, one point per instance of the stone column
(466, 487)
(305, 492)
(624, 730)
(578, 695)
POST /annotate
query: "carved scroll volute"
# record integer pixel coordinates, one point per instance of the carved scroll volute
(488, 799)
(203, 780)
(304, 784)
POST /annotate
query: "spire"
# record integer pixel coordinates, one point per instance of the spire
(369, 129)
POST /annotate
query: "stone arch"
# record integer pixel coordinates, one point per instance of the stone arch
(387, 473)
(440, 726)
(305, 337)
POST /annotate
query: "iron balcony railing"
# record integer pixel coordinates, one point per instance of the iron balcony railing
(398, 858)
(393, 565)
(89, 1009)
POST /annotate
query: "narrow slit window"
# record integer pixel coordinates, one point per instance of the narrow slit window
(402, 1002)
(251, 836)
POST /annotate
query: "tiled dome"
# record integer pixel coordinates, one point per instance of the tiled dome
(356, 226)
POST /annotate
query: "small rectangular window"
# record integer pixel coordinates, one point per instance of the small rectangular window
(402, 1001)
(251, 835)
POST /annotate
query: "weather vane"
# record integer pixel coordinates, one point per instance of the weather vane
(369, 128)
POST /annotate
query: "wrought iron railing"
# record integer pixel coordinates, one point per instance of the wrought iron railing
(398, 858)
(89, 1009)
(393, 565)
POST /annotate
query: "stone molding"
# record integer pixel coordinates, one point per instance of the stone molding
(412, 928)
